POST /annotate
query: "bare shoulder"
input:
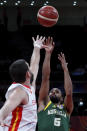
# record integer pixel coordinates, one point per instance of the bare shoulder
(19, 92)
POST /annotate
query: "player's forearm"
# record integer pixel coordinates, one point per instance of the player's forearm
(5, 110)
(43, 93)
(1, 116)
(46, 66)
(35, 58)
(34, 64)
(67, 83)
(12, 102)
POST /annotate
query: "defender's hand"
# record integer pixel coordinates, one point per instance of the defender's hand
(38, 42)
(49, 44)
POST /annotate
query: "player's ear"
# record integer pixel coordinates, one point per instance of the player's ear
(28, 75)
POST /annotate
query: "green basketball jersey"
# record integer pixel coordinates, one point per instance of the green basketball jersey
(53, 118)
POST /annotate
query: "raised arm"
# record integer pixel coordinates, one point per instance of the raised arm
(43, 93)
(35, 58)
(68, 101)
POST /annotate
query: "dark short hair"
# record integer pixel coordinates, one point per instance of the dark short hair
(18, 70)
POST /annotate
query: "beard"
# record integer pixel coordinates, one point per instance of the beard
(54, 99)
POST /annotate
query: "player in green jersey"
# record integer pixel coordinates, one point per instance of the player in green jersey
(54, 112)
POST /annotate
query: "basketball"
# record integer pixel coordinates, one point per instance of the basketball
(47, 16)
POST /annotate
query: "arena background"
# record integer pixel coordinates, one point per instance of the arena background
(18, 23)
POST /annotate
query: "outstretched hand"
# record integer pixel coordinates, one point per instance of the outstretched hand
(49, 44)
(38, 42)
(62, 59)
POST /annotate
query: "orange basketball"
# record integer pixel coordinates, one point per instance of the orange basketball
(47, 16)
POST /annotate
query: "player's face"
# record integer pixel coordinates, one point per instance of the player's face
(55, 95)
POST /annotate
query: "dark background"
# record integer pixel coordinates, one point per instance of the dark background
(17, 26)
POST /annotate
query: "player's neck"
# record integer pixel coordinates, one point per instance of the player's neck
(26, 83)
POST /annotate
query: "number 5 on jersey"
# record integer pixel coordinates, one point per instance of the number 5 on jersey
(57, 121)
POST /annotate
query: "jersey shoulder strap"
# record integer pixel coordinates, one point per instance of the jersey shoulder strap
(49, 103)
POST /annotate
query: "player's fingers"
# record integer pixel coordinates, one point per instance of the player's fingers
(33, 39)
(37, 37)
(51, 40)
(53, 43)
(59, 57)
(63, 56)
(43, 39)
(61, 53)
(48, 39)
